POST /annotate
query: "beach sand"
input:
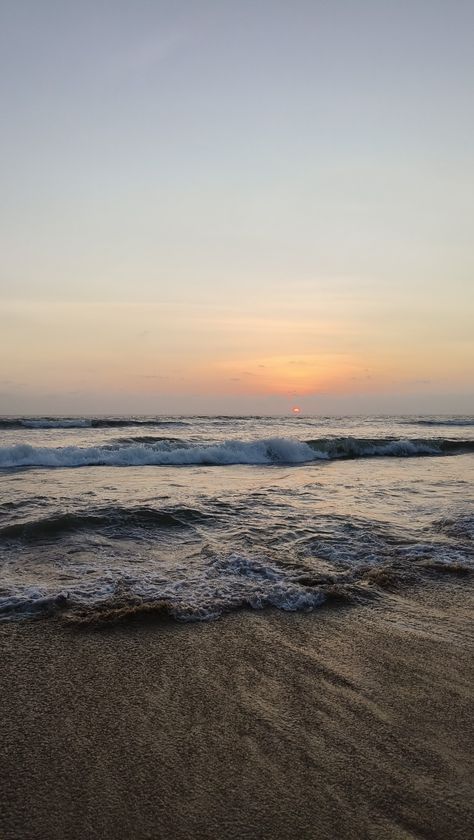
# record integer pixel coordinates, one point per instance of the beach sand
(350, 722)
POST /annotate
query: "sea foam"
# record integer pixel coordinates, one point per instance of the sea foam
(225, 584)
(270, 451)
(267, 451)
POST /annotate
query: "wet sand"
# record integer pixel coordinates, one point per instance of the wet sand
(351, 722)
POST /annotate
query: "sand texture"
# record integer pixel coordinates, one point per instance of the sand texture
(351, 722)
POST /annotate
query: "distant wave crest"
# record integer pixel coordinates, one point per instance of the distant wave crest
(441, 421)
(84, 422)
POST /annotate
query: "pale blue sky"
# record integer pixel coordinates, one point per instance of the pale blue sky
(283, 169)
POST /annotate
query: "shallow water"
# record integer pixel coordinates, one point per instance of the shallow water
(197, 516)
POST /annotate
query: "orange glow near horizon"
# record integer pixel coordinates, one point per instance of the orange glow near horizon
(288, 376)
(145, 355)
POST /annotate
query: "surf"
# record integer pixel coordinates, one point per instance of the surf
(264, 452)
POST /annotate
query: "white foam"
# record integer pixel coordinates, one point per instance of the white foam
(30, 600)
(265, 451)
(204, 593)
(268, 451)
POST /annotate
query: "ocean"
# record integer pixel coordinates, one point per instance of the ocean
(102, 518)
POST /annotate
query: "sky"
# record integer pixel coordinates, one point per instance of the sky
(210, 206)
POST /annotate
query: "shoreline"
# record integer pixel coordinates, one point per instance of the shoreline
(348, 722)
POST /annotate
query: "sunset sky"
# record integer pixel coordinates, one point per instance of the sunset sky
(234, 207)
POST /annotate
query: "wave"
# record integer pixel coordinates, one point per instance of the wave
(227, 583)
(271, 451)
(451, 421)
(265, 452)
(460, 527)
(150, 422)
(117, 519)
(349, 447)
(84, 422)
(150, 440)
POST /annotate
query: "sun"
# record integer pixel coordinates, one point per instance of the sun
(296, 410)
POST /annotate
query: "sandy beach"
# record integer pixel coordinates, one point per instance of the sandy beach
(350, 722)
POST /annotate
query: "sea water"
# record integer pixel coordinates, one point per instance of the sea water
(192, 517)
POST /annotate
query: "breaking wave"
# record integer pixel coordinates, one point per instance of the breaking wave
(271, 451)
(265, 452)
